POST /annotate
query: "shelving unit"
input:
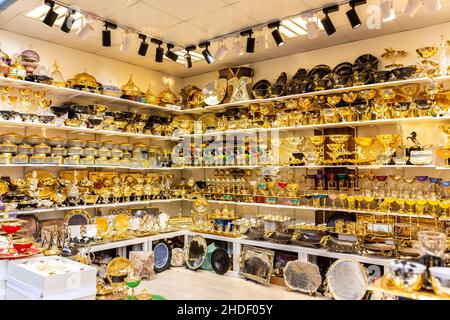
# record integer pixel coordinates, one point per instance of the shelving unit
(234, 244)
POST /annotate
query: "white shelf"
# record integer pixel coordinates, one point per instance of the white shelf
(72, 93)
(224, 106)
(80, 130)
(94, 206)
(350, 166)
(308, 208)
(88, 167)
(367, 123)
(134, 241)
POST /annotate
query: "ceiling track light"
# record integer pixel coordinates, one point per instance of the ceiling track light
(277, 37)
(170, 54)
(411, 7)
(69, 20)
(221, 52)
(352, 15)
(106, 34)
(206, 53)
(125, 44)
(251, 42)
(86, 28)
(51, 15)
(326, 21)
(432, 6)
(159, 53)
(144, 45)
(187, 57)
(237, 47)
(387, 10)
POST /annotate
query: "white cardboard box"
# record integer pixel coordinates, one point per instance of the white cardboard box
(76, 282)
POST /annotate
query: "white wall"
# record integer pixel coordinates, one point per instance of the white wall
(73, 61)
(408, 40)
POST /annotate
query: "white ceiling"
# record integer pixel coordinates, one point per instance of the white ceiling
(190, 22)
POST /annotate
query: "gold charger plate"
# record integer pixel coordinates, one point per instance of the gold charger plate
(102, 225)
(47, 182)
(121, 222)
(117, 267)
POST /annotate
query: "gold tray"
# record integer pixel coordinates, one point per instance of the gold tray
(382, 286)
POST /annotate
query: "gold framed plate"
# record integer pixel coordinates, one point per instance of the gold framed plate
(121, 222)
(78, 217)
(257, 264)
(102, 225)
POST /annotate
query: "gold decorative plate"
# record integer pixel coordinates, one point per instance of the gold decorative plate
(102, 224)
(117, 267)
(78, 217)
(121, 222)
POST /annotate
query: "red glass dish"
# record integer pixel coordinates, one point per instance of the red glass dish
(11, 228)
(22, 246)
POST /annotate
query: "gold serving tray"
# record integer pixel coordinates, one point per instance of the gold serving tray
(217, 233)
(382, 286)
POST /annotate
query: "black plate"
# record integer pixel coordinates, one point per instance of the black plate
(162, 255)
(220, 261)
(319, 71)
(366, 62)
(343, 69)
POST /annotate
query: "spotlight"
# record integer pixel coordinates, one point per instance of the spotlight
(276, 33)
(432, 5)
(237, 47)
(411, 7)
(86, 28)
(311, 29)
(106, 34)
(170, 54)
(221, 52)
(125, 44)
(387, 11)
(208, 56)
(144, 45)
(326, 21)
(251, 42)
(51, 15)
(187, 57)
(69, 20)
(352, 15)
(159, 53)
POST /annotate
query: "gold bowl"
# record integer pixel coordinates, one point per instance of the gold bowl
(317, 140)
(339, 138)
(364, 142)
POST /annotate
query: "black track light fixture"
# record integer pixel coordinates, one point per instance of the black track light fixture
(144, 45)
(106, 34)
(187, 57)
(159, 53)
(276, 33)
(51, 15)
(352, 15)
(69, 20)
(208, 56)
(170, 54)
(326, 21)
(251, 42)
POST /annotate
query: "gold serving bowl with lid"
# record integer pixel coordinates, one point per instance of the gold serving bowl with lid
(83, 79)
(130, 89)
